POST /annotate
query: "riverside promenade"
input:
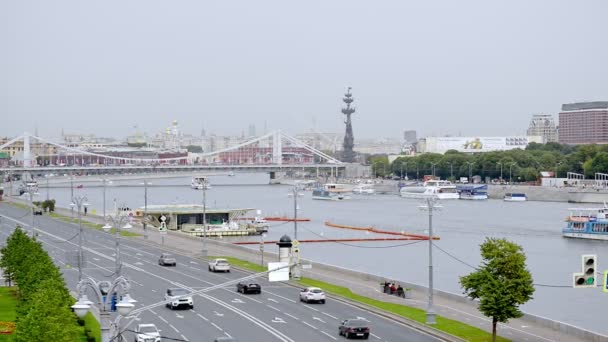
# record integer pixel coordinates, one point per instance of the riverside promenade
(449, 305)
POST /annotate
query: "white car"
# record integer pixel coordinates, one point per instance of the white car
(147, 333)
(312, 294)
(219, 265)
(178, 297)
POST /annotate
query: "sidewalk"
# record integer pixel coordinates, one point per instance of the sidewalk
(453, 306)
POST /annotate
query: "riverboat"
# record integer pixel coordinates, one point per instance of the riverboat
(473, 191)
(188, 218)
(364, 189)
(515, 197)
(331, 192)
(587, 223)
(441, 189)
(200, 183)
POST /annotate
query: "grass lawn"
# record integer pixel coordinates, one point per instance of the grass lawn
(91, 323)
(90, 225)
(8, 305)
(447, 325)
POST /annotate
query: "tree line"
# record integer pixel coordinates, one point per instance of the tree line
(43, 310)
(515, 165)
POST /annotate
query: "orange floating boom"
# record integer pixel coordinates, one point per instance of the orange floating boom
(281, 219)
(335, 240)
(378, 231)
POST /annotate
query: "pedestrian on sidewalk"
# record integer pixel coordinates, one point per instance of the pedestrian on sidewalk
(85, 211)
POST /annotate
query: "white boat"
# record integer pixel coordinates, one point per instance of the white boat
(231, 174)
(200, 183)
(587, 223)
(331, 192)
(473, 191)
(442, 189)
(513, 197)
(364, 189)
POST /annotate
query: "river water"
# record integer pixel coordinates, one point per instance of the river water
(461, 225)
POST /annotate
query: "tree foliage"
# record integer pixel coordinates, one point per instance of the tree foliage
(502, 283)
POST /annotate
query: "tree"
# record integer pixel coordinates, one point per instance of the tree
(194, 149)
(502, 283)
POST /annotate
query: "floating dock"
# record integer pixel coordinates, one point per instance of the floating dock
(380, 231)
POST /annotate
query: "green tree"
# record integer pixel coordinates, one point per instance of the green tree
(599, 163)
(502, 283)
(194, 148)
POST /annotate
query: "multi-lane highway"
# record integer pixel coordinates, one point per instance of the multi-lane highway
(275, 315)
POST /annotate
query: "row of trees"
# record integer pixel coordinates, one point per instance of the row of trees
(43, 311)
(517, 165)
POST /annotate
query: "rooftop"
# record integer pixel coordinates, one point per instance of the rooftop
(585, 105)
(191, 209)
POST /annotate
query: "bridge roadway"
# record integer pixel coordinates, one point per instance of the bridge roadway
(275, 315)
(169, 168)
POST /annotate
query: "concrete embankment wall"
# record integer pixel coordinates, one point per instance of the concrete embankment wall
(550, 194)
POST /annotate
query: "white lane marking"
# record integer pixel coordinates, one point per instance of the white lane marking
(153, 290)
(218, 314)
(310, 325)
(292, 316)
(311, 308)
(217, 326)
(326, 334)
(241, 295)
(139, 263)
(227, 334)
(174, 328)
(524, 326)
(273, 300)
(237, 300)
(318, 319)
(178, 315)
(162, 319)
(184, 338)
(152, 311)
(362, 318)
(326, 314)
(376, 336)
(278, 320)
(138, 254)
(288, 299)
(203, 317)
(273, 308)
(96, 259)
(193, 262)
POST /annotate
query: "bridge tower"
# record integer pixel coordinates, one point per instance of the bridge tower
(277, 149)
(348, 155)
(27, 151)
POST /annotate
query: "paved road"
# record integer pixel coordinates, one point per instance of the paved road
(275, 315)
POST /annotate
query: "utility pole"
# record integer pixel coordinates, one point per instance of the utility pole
(72, 192)
(204, 250)
(79, 202)
(500, 163)
(430, 206)
(145, 208)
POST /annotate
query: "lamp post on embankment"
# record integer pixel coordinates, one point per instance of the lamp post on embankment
(430, 207)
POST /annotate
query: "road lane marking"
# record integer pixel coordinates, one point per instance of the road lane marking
(326, 334)
(292, 316)
(326, 314)
(363, 318)
(178, 315)
(218, 314)
(227, 334)
(311, 308)
(152, 311)
(237, 300)
(203, 317)
(274, 294)
(278, 320)
(163, 319)
(376, 336)
(273, 308)
(174, 328)
(318, 319)
(310, 325)
(217, 326)
(273, 300)
(184, 338)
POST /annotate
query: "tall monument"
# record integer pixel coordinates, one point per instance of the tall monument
(348, 155)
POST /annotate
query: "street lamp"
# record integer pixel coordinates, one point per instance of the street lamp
(105, 181)
(510, 166)
(72, 192)
(47, 185)
(145, 184)
(431, 204)
(204, 250)
(79, 202)
(470, 171)
(118, 222)
(451, 170)
(104, 292)
(433, 168)
(295, 192)
(557, 164)
(500, 163)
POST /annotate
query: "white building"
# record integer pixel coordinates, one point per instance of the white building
(474, 144)
(543, 125)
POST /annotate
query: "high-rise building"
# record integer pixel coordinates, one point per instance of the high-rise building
(409, 137)
(584, 123)
(543, 125)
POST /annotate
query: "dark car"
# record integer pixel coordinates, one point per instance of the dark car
(353, 328)
(245, 287)
(166, 260)
(37, 211)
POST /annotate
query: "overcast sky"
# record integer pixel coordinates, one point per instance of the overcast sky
(439, 67)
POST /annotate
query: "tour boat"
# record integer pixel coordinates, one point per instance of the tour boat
(331, 192)
(473, 191)
(513, 197)
(364, 189)
(587, 223)
(200, 183)
(441, 189)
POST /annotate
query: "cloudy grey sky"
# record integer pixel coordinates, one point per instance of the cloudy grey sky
(440, 67)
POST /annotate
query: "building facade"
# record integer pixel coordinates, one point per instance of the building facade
(584, 123)
(474, 144)
(543, 125)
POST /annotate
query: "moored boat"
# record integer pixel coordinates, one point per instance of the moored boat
(442, 189)
(364, 189)
(587, 223)
(473, 191)
(515, 197)
(331, 192)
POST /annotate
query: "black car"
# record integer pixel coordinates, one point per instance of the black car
(243, 288)
(37, 211)
(353, 328)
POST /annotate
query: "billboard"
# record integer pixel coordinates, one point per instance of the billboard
(475, 144)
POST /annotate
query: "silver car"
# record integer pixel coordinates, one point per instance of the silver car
(167, 259)
(312, 294)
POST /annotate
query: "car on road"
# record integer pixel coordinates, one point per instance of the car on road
(147, 333)
(312, 294)
(354, 328)
(37, 211)
(178, 297)
(248, 287)
(167, 259)
(217, 265)
(224, 339)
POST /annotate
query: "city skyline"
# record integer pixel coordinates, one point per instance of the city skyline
(472, 68)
